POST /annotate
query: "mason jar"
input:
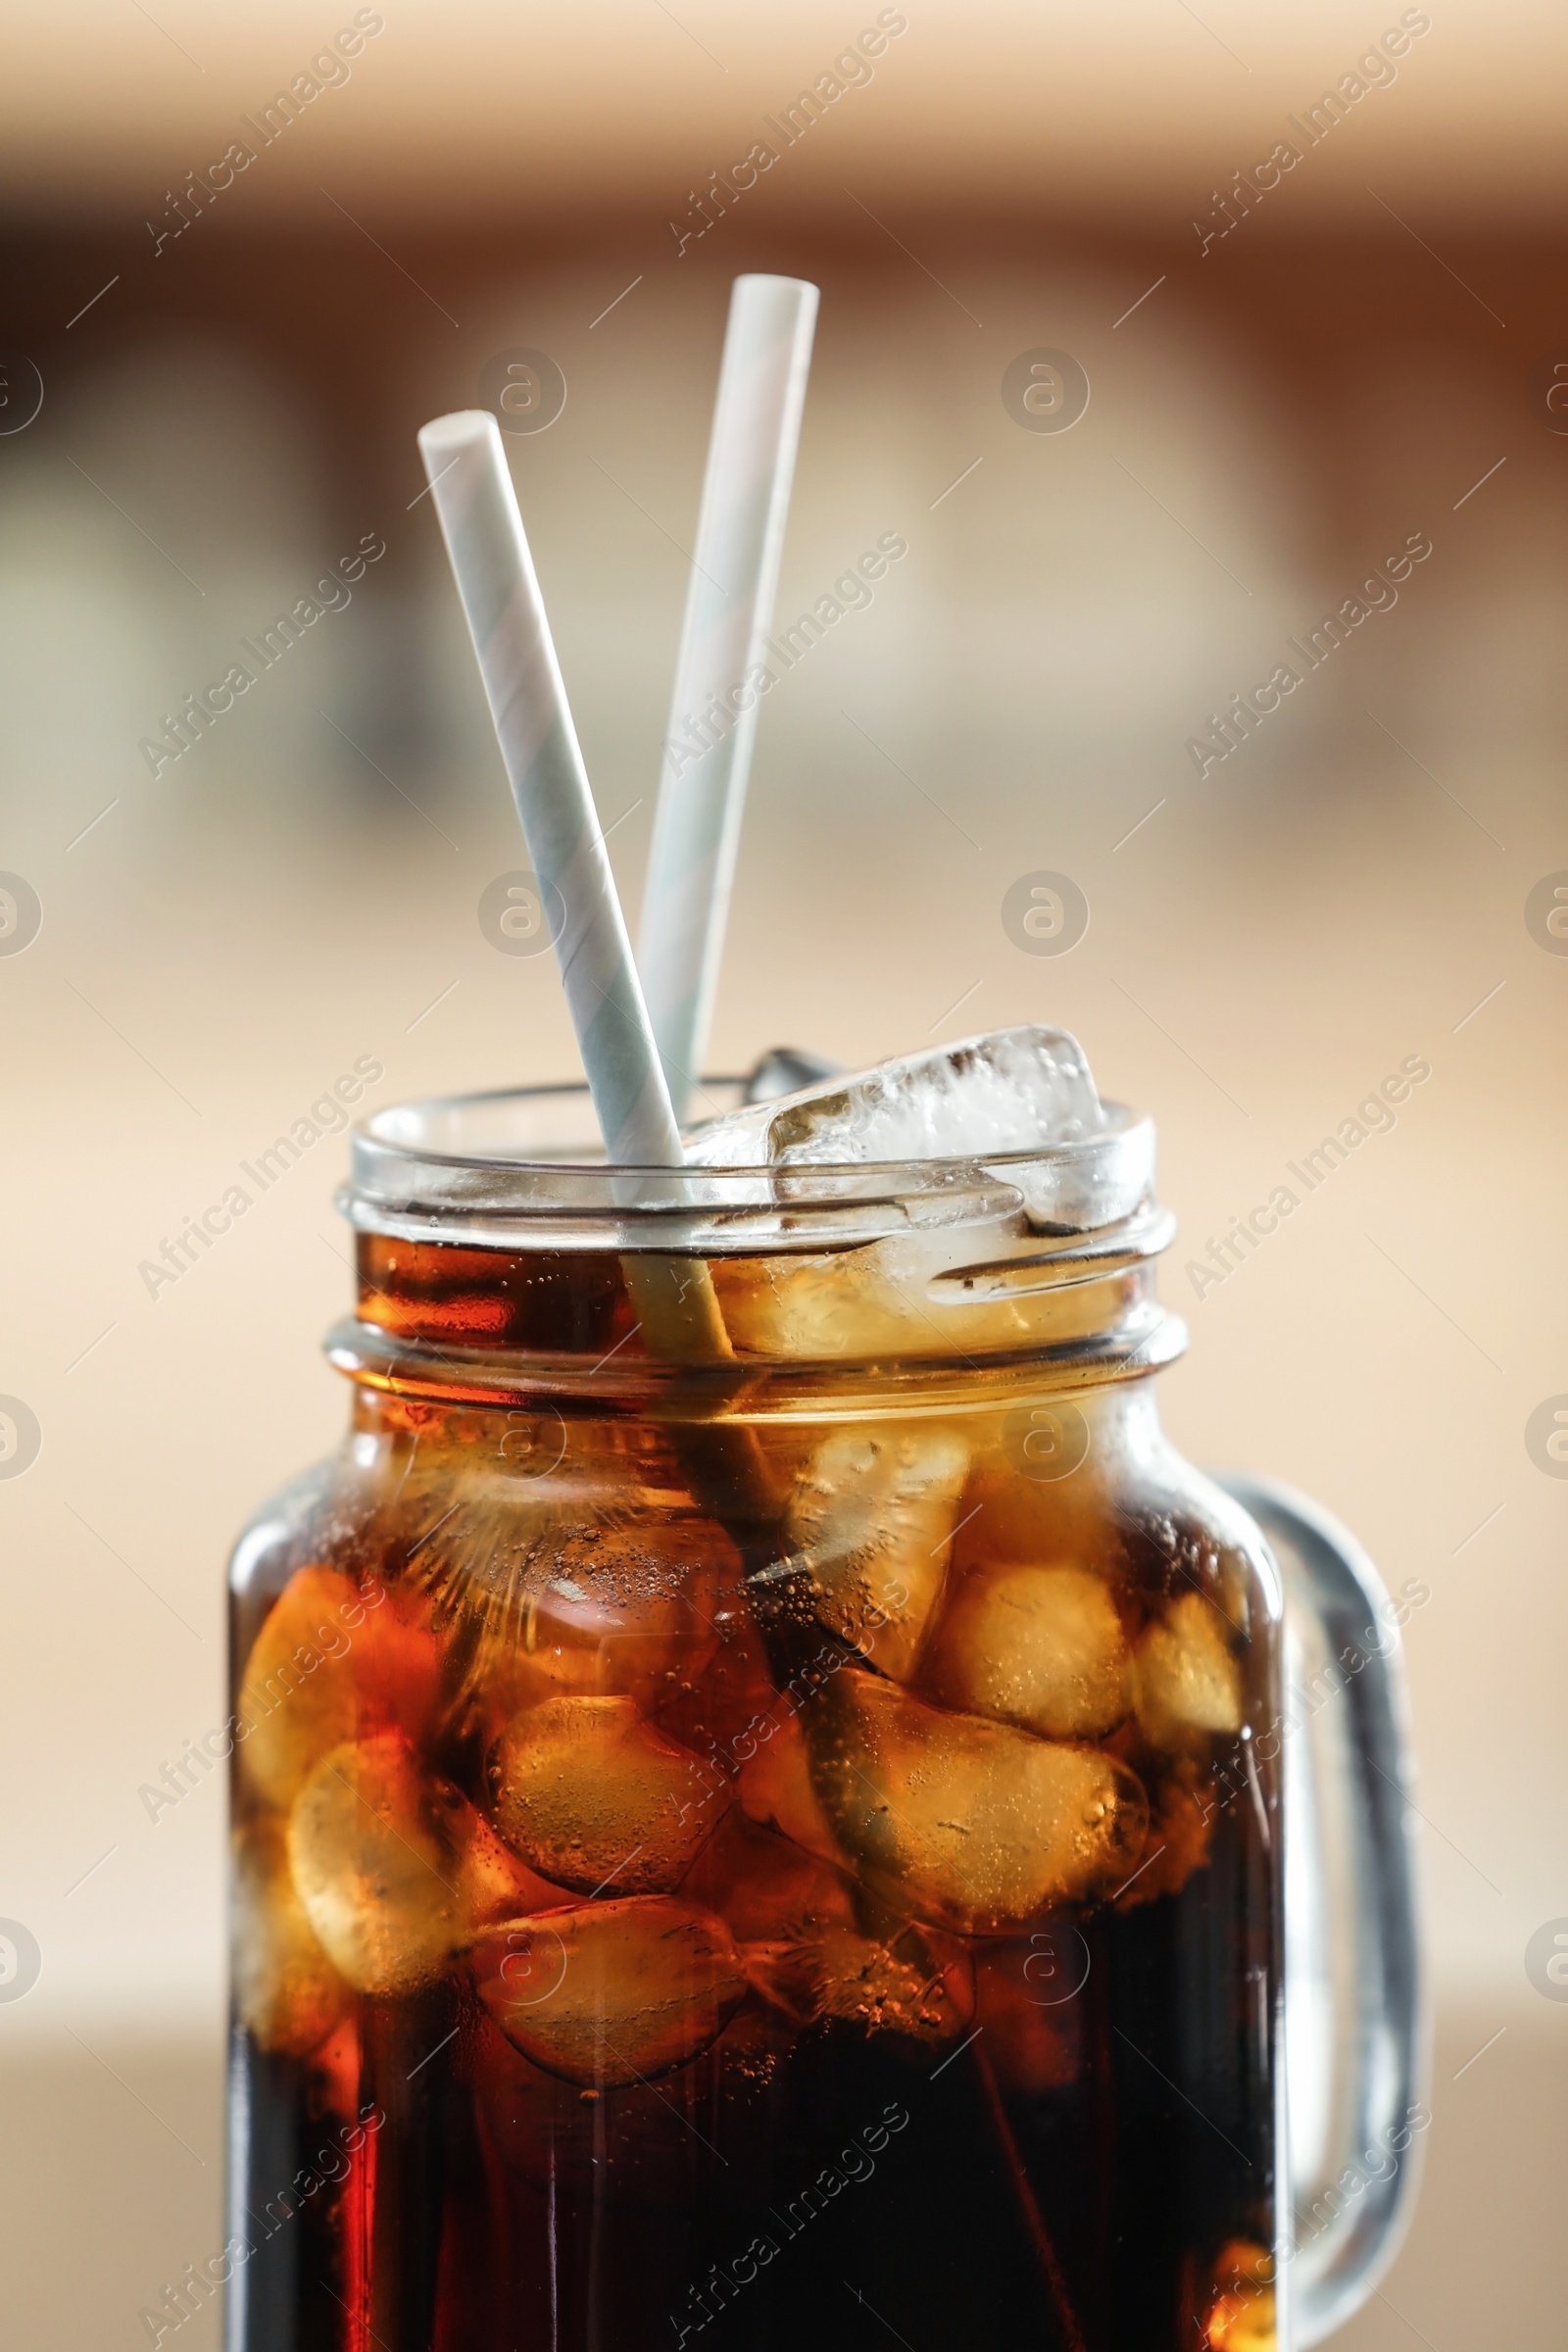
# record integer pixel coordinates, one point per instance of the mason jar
(765, 1840)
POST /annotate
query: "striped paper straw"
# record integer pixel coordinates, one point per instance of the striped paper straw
(496, 579)
(729, 612)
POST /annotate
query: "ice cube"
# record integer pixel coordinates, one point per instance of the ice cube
(904, 1986)
(775, 1788)
(544, 2131)
(286, 1989)
(1186, 1683)
(1015, 1090)
(591, 1796)
(813, 1945)
(605, 1611)
(721, 1711)
(965, 1822)
(871, 1520)
(864, 1302)
(1019, 1519)
(766, 1888)
(1038, 1646)
(330, 1661)
(392, 1865)
(611, 1992)
(494, 1883)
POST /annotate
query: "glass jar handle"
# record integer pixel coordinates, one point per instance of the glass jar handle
(1355, 2019)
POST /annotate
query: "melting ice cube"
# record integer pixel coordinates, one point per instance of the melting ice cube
(966, 1823)
(285, 1988)
(592, 1795)
(1015, 1089)
(1038, 1646)
(393, 1868)
(902, 1987)
(872, 1514)
(1187, 1683)
(331, 1663)
(775, 1789)
(611, 1992)
(606, 1613)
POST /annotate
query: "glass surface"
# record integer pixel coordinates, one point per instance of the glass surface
(1356, 2030)
(768, 1847)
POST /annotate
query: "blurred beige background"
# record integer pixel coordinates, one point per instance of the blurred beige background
(234, 409)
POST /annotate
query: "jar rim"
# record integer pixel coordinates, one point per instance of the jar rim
(506, 1166)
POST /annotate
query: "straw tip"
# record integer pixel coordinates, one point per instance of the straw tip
(465, 428)
(759, 281)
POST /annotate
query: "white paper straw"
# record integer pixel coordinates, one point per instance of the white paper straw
(676, 1306)
(483, 531)
(729, 612)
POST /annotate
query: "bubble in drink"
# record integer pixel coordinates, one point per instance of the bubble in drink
(965, 1822)
(380, 1855)
(591, 1796)
(330, 1661)
(286, 1989)
(1186, 1683)
(873, 1516)
(613, 1992)
(1038, 1646)
(1015, 1090)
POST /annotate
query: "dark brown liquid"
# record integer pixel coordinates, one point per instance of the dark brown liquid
(931, 2068)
